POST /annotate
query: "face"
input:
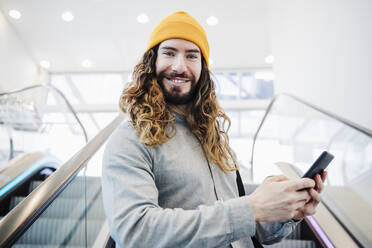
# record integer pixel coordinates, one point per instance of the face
(178, 69)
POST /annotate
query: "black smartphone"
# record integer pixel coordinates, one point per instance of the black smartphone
(319, 165)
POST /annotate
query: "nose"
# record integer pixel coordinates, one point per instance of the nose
(179, 65)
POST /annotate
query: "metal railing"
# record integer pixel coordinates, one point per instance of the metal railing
(312, 106)
(56, 90)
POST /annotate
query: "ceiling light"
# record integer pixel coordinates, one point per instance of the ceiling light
(45, 64)
(142, 18)
(269, 59)
(86, 63)
(212, 21)
(15, 14)
(67, 16)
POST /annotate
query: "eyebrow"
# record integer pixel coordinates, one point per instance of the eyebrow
(174, 49)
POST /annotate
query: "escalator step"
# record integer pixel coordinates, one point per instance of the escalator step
(76, 188)
(289, 243)
(68, 208)
(33, 185)
(15, 200)
(72, 209)
(65, 232)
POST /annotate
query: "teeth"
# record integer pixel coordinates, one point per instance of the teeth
(178, 81)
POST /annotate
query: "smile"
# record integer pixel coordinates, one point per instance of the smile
(178, 81)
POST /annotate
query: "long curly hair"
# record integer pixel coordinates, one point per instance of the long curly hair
(153, 121)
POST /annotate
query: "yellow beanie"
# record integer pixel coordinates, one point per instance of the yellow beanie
(183, 26)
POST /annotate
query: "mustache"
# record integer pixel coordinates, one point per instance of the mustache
(173, 75)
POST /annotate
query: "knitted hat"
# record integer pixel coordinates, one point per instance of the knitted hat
(183, 26)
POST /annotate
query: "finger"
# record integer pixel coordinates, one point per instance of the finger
(316, 181)
(300, 184)
(309, 210)
(316, 178)
(300, 206)
(303, 195)
(324, 176)
(319, 184)
(315, 195)
(279, 178)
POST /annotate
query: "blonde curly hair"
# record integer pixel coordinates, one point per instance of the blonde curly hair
(153, 121)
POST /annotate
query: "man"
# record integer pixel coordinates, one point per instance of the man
(169, 174)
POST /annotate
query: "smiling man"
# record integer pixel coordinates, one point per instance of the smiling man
(178, 68)
(170, 178)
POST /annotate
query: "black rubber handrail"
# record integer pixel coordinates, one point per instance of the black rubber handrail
(59, 93)
(16, 222)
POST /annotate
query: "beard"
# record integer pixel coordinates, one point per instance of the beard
(174, 95)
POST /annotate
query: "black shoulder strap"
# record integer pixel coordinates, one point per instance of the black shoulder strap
(241, 190)
(239, 182)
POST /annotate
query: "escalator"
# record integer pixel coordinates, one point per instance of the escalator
(66, 209)
(62, 224)
(29, 171)
(52, 207)
(21, 176)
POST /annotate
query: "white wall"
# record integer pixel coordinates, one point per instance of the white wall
(17, 68)
(323, 54)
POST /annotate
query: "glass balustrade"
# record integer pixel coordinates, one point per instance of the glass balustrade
(297, 133)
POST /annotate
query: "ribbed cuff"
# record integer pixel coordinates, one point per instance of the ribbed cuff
(295, 221)
(242, 219)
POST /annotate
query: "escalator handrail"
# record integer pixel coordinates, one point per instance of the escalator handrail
(355, 126)
(22, 167)
(24, 214)
(59, 92)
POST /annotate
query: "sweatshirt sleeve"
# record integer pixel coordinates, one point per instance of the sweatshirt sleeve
(135, 218)
(272, 232)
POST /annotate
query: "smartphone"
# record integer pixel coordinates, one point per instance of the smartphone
(319, 165)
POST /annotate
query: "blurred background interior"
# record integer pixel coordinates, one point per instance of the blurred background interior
(294, 77)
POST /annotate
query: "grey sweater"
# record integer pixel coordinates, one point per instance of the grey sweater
(170, 196)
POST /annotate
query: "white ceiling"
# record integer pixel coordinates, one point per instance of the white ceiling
(107, 33)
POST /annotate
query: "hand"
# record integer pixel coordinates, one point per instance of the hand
(310, 207)
(279, 198)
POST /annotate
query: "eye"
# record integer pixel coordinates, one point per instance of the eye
(192, 56)
(168, 53)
